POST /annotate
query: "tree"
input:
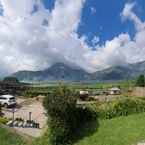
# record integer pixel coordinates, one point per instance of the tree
(11, 80)
(64, 117)
(140, 81)
(60, 105)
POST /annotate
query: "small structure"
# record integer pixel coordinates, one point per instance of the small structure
(115, 91)
(84, 95)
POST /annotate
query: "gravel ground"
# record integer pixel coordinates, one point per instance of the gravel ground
(38, 115)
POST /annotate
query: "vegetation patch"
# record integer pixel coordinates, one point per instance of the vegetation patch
(3, 120)
(10, 138)
(118, 131)
(123, 106)
(66, 120)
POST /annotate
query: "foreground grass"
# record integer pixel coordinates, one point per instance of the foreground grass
(10, 138)
(119, 131)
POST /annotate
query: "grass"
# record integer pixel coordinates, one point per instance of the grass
(10, 138)
(118, 131)
(82, 85)
(44, 140)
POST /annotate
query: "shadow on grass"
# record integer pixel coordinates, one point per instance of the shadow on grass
(73, 126)
(87, 126)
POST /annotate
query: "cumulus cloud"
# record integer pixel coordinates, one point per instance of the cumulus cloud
(34, 39)
(134, 49)
(128, 14)
(122, 49)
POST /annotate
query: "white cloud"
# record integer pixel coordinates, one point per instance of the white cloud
(27, 44)
(129, 14)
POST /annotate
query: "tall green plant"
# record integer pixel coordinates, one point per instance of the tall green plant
(121, 107)
(60, 106)
(0, 109)
(65, 118)
(140, 81)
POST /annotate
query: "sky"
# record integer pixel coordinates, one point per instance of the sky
(91, 34)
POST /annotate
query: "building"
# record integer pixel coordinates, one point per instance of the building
(115, 91)
(84, 95)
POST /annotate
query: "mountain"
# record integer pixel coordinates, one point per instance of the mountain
(122, 72)
(62, 72)
(57, 72)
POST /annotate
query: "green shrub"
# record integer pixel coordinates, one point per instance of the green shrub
(3, 120)
(0, 110)
(140, 81)
(65, 118)
(121, 107)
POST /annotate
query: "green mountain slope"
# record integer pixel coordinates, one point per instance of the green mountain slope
(62, 72)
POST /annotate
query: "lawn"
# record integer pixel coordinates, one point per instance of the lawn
(10, 138)
(119, 131)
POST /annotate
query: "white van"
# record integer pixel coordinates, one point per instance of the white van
(7, 100)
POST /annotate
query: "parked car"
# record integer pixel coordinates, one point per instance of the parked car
(7, 100)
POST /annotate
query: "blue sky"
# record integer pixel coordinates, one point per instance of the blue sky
(105, 21)
(49, 4)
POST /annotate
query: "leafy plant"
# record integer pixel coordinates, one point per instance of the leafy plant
(140, 81)
(121, 107)
(3, 120)
(65, 118)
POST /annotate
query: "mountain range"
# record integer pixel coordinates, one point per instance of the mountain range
(63, 72)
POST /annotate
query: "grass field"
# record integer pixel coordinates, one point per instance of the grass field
(10, 138)
(45, 88)
(119, 131)
(80, 85)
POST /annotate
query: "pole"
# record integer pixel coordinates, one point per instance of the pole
(30, 114)
(13, 111)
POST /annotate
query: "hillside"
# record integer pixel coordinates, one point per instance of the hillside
(57, 72)
(62, 72)
(127, 71)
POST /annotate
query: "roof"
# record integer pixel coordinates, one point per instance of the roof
(7, 96)
(83, 92)
(115, 89)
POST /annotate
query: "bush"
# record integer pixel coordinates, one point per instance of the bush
(3, 120)
(12, 80)
(0, 110)
(122, 107)
(65, 118)
(140, 81)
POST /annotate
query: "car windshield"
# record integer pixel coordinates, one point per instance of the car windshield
(12, 98)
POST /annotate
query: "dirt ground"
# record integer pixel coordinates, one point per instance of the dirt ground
(138, 92)
(141, 144)
(22, 111)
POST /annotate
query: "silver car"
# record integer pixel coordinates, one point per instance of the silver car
(7, 100)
